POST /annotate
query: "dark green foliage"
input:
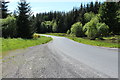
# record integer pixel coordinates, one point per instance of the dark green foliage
(95, 25)
(33, 27)
(91, 6)
(38, 23)
(64, 21)
(81, 14)
(23, 20)
(8, 26)
(61, 26)
(118, 18)
(108, 13)
(48, 26)
(96, 7)
(102, 29)
(4, 8)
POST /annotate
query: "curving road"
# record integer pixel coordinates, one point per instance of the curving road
(61, 58)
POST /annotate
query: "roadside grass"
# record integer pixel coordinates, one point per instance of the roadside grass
(0, 48)
(18, 43)
(112, 41)
(58, 34)
(95, 42)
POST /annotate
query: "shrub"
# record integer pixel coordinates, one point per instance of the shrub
(48, 26)
(9, 28)
(68, 31)
(43, 28)
(54, 27)
(76, 29)
(94, 29)
(35, 35)
(91, 30)
(88, 16)
(103, 29)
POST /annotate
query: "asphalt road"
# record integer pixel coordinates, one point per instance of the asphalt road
(61, 58)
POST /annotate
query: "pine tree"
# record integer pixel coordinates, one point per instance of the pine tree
(0, 10)
(4, 8)
(92, 7)
(81, 14)
(108, 15)
(23, 20)
(96, 7)
(87, 8)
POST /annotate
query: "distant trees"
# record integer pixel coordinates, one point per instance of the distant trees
(93, 20)
(23, 20)
(46, 26)
(64, 21)
(118, 20)
(96, 7)
(38, 19)
(108, 13)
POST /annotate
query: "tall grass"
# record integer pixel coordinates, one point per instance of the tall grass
(17, 43)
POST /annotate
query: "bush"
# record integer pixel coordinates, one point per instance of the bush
(103, 29)
(94, 29)
(76, 29)
(43, 28)
(91, 30)
(68, 31)
(54, 27)
(9, 28)
(35, 35)
(88, 16)
(48, 26)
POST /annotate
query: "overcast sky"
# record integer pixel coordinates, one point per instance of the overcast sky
(38, 6)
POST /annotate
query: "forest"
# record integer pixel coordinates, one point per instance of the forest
(92, 20)
(80, 44)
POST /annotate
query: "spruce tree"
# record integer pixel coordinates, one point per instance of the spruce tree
(108, 15)
(0, 10)
(96, 7)
(4, 8)
(23, 20)
(91, 6)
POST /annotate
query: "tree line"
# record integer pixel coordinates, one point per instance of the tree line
(92, 20)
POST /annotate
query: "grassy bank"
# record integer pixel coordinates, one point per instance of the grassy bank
(111, 42)
(18, 43)
(95, 42)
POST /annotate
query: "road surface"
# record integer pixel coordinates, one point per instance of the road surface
(61, 58)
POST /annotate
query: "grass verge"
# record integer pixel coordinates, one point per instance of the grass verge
(107, 42)
(18, 43)
(95, 42)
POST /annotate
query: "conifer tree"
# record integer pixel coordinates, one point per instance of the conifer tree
(4, 8)
(108, 15)
(23, 20)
